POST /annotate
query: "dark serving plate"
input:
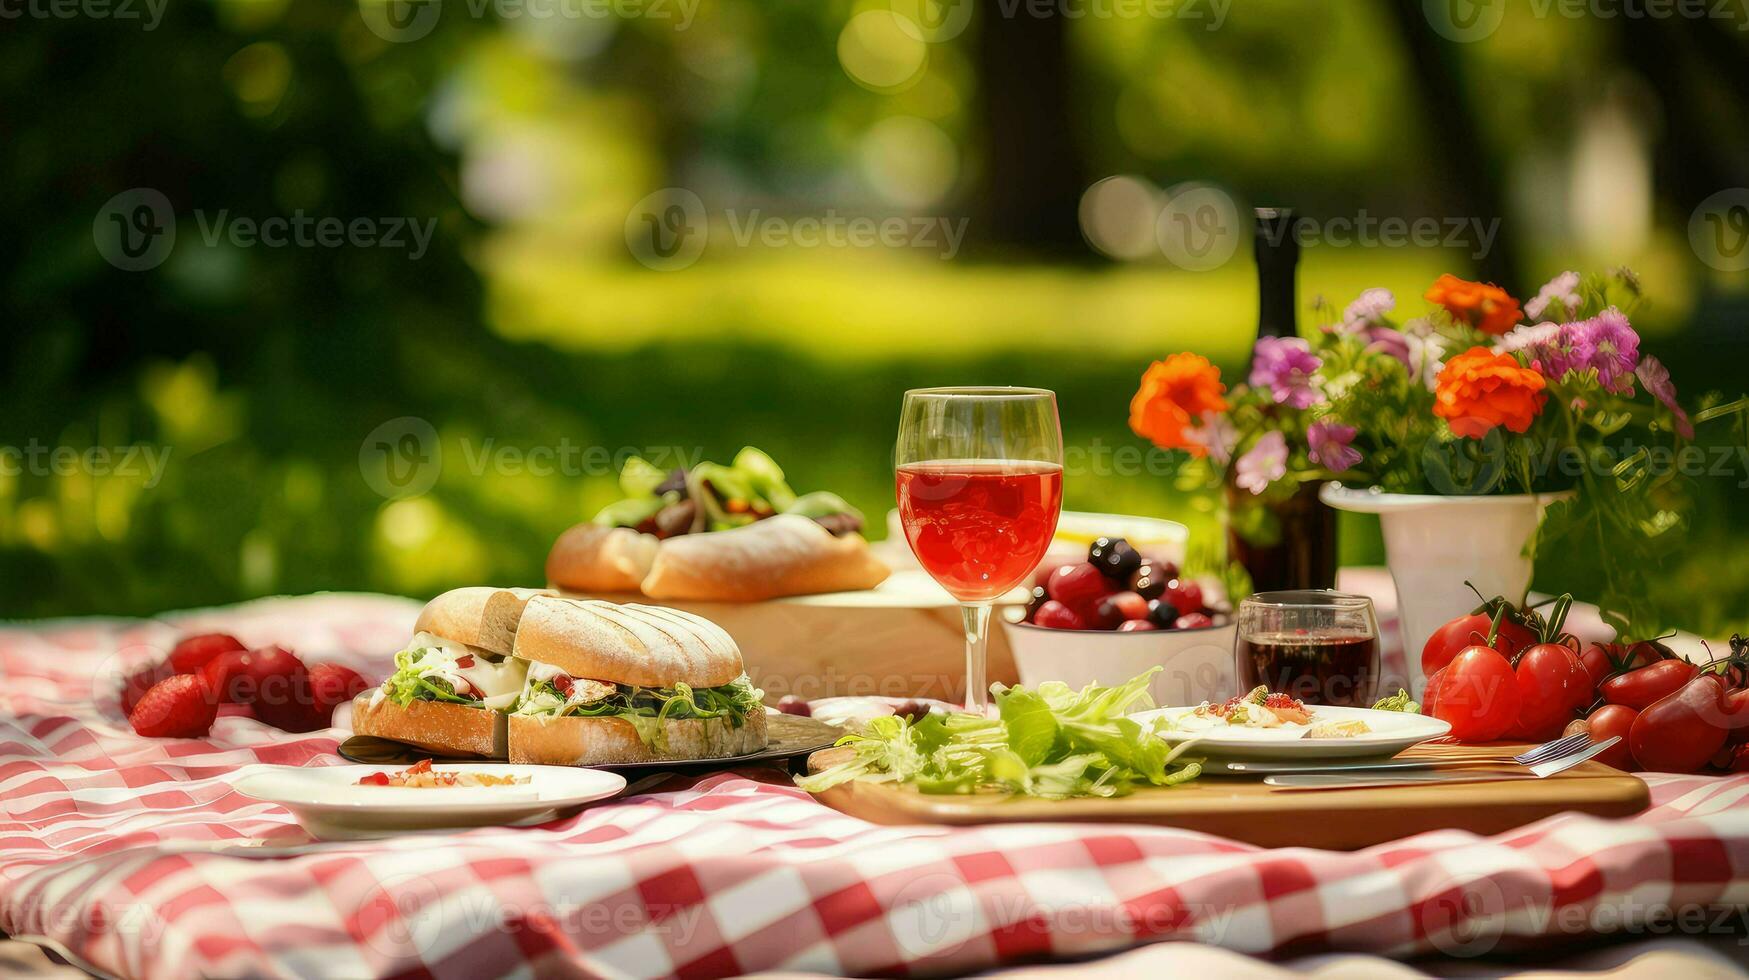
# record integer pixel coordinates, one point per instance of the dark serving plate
(788, 738)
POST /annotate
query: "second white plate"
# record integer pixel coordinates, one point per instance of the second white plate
(330, 804)
(1390, 732)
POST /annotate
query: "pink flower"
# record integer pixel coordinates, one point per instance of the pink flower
(1615, 350)
(1330, 447)
(1264, 464)
(1656, 377)
(1216, 435)
(1368, 310)
(1561, 292)
(1384, 340)
(1285, 366)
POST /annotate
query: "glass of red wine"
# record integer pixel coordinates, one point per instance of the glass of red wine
(980, 483)
(1317, 645)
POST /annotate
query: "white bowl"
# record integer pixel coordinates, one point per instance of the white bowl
(1198, 664)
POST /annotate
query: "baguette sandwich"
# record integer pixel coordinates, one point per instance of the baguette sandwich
(528, 676)
(456, 679)
(734, 533)
(611, 684)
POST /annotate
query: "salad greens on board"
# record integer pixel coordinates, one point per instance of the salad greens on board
(1053, 742)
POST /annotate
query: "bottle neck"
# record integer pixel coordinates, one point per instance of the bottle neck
(1278, 256)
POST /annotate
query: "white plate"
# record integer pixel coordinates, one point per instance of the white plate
(330, 804)
(1390, 732)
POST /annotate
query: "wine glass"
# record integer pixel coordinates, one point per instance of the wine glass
(980, 483)
(1318, 645)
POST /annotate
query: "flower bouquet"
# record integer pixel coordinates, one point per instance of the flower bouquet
(1550, 403)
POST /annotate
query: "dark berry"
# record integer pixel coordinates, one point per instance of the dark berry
(1039, 595)
(1114, 558)
(1147, 582)
(1162, 613)
(1100, 614)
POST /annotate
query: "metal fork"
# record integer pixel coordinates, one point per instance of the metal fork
(1548, 750)
(1542, 769)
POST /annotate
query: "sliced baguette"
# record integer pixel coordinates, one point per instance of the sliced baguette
(779, 556)
(479, 616)
(594, 558)
(626, 643)
(615, 742)
(443, 728)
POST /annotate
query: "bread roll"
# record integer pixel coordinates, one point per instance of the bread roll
(595, 558)
(479, 616)
(627, 643)
(614, 742)
(779, 556)
(438, 726)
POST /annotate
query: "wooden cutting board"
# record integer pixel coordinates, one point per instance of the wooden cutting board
(1244, 809)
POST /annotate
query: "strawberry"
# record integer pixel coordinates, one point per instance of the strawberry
(136, 684)
(195, 652)
(175, 707)
(248, 676)
(333, 684)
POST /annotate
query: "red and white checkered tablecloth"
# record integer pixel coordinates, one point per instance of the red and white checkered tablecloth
(132, 857)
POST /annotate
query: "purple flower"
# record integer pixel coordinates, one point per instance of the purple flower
(1264, 464)
(1216, 435)
(1285, 366)
(1555, 348)
(1330, 447)
(1561, 292)
(1384, 340)
(1615, 350)
(1656, 377)
(1368, 309)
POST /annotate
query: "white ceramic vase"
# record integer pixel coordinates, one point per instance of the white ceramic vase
(1434, 544)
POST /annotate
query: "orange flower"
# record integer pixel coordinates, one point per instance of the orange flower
(1480, 389)
(1484, 306)
(1173, 397)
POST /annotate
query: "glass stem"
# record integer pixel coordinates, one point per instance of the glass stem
(976, 616)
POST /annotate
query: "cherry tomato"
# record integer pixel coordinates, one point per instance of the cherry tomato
(1682, 730)
(1640, 688)
(1737, 713)
(1454, 637)
(1478, 696)
(1430, 696)
(1607, 721)
(1075, 585)
(1552, 683)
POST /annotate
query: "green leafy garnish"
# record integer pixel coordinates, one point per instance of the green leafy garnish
(1398, 702)
(646, 708)
(1053, 742)
(406, 685)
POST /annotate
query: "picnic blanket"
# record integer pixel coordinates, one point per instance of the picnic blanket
(133, 857)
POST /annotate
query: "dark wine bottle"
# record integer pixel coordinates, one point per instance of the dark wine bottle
(1278, 260)
(1291, 543)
